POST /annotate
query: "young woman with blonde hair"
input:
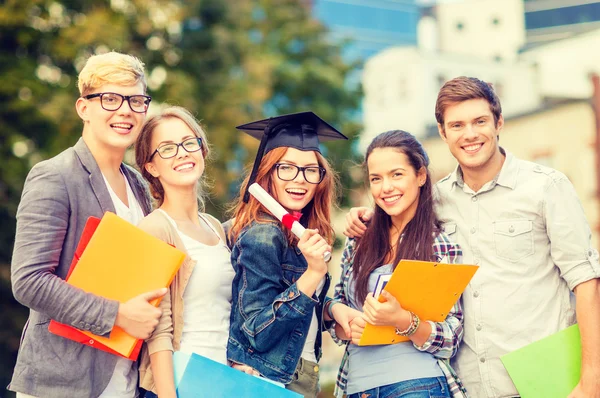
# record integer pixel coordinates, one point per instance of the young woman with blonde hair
(171, 153)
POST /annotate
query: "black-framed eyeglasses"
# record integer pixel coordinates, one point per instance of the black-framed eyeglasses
(288, 172)
(113, 101)
(167, 151)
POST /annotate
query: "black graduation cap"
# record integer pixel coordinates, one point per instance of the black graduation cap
(302, 131)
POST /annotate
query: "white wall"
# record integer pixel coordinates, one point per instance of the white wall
(564, 66)
(479, 35)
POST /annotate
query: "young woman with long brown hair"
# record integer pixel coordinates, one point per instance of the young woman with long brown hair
(280, 286)
(403, 226)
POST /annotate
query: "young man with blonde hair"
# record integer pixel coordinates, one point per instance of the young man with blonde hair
(523, 224)
(59, 195)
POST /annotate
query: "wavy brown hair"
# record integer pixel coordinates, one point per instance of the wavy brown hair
(415, 242)
(316, 214)
(144, 150)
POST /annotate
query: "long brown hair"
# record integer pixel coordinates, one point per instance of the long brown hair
(316, 215)
(144, 150)
(416, 241)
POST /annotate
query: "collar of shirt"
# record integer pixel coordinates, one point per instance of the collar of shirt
(507, 177)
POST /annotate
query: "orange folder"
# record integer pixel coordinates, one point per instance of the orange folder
(426, 288)
(118, 261)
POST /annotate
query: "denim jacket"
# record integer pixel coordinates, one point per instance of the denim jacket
(270, 317)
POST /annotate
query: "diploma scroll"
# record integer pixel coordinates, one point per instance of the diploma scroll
(278, 211)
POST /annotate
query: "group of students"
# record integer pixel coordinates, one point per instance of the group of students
(253, 296)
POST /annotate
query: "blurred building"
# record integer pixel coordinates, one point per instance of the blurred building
(401, 86)
(549, 20)
(372, 25)
(483, 38)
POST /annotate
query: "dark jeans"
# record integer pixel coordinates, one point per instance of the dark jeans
(431, 387)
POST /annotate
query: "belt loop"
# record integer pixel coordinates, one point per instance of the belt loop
(443, 383)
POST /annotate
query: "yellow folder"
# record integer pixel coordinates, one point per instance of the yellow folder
(426, 288)
(120, 262)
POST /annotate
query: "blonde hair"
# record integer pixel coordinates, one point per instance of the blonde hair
(110, 68)
(144, 151)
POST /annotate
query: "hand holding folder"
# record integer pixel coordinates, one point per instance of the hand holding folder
(137, 316)
(426, 288)
(116, 260)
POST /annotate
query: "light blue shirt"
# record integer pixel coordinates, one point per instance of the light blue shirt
(375, 366)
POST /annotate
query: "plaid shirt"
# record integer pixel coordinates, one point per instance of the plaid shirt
(445, 336)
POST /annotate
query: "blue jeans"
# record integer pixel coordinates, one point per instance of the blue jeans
(150, 394)
(431, 387)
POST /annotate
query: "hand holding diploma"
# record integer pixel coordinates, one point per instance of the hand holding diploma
(282, 215)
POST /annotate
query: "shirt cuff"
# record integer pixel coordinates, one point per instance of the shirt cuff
(160, 344)
(430, 339)
(585, 271)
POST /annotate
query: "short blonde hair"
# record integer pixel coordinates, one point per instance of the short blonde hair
(110, 68)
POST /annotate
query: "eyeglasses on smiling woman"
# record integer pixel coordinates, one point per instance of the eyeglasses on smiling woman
(170, 150)
(288, 172)
(113, 101)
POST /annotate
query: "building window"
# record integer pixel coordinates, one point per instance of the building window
(441, 79)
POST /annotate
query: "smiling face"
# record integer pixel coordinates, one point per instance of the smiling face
(181, 170)
(472, 136)
(111, 130)
(294, 195)
(394, 183)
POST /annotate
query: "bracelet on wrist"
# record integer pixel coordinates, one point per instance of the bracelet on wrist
(328, 307)
(412, 327)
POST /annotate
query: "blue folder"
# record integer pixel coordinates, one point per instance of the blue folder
(197, 376)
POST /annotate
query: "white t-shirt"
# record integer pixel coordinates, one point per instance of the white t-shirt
(308, 352)
(124, 380)
(207, 298)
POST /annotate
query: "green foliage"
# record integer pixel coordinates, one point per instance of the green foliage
(229, 61)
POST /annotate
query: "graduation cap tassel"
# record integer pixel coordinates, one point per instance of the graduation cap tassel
(257, 161)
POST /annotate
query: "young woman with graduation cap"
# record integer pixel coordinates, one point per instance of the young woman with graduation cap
(280, 285)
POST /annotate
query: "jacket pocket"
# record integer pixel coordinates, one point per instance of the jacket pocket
(291, 273)
(513, 239)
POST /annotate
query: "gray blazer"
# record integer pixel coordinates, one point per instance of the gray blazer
(58, 197)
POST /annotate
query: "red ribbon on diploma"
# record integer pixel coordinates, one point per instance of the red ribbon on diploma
(288, 219)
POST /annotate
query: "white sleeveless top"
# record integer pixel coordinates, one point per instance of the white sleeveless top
(308, 351)
(207, 297)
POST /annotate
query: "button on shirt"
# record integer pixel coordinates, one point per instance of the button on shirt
(527, 231)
